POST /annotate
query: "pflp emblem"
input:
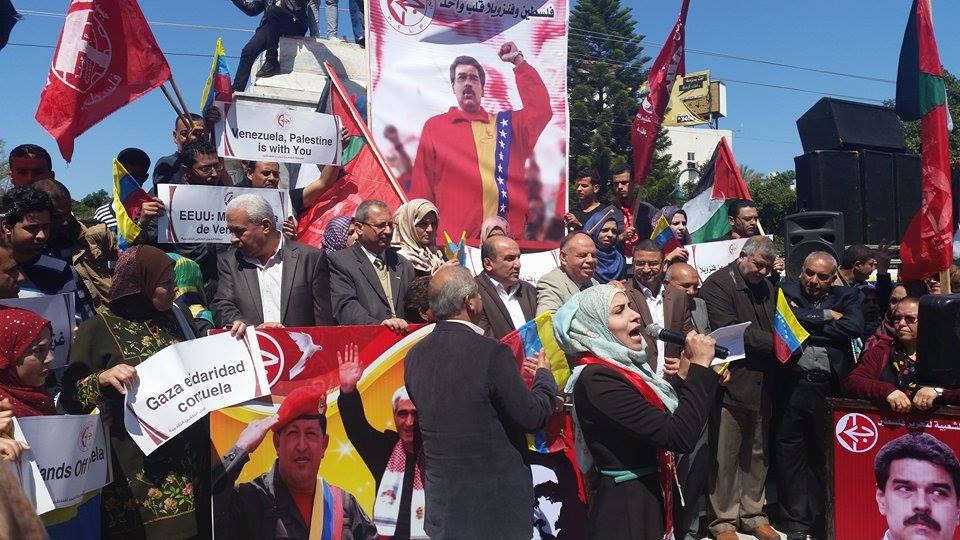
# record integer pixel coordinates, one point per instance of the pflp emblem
(409, 17)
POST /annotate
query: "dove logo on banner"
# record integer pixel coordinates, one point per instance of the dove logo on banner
(307, 349)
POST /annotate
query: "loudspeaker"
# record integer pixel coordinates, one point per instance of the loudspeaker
(835, 124)
(830, 181)
(807, 232)
(939, 341)
(908, 173)
(879, 197)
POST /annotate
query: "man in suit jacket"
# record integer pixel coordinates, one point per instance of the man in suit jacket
(360, 275)
(578, 261)
(736, 293)
(473, 410)
(508, 301)
(265, 280)
(655, 303)
(833, 317)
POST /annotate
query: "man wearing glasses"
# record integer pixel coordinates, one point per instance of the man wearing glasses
(368, 281)
(833, 317)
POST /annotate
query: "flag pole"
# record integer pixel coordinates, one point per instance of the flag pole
(176, 90)
(183, 118)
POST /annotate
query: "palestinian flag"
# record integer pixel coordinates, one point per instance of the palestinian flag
(927, 244)
(707, 208)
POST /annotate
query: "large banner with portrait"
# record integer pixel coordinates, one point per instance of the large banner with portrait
(365, 423)
(894, 472)
(469, 105)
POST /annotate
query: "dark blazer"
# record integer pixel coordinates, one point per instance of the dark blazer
(832, 334)
(731, 301)
(355, 290)
(304, 296)
(676, 317)
(473, 410)
(496, 321)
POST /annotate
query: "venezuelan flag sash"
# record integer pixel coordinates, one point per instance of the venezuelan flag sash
(788, 334)
(326, 522)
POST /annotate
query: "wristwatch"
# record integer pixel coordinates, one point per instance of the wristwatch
(939, 391)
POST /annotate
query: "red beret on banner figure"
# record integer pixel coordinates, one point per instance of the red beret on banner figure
(304, 402)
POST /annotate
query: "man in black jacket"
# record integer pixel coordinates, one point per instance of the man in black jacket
(833, 317)
(280, 18)
(474, 407)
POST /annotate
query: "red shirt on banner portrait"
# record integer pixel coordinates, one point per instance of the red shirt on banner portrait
(106, 58)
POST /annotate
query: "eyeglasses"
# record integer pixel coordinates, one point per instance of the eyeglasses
(380, 227)
(209, 169)
(909, 319)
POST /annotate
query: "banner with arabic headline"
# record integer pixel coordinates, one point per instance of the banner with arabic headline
(491, 143)
(915, 453)
(295, 357)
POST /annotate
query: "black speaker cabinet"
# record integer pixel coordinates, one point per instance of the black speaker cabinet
(836, 124)
(877, 170)
(830, 181)
(807, 232)
(939, 341)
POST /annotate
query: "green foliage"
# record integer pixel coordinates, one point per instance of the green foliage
(605, 70)
(4, 168)
(911, 130)
(776, 199)
(85, 207)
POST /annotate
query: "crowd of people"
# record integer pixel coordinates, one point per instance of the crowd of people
(652, 419)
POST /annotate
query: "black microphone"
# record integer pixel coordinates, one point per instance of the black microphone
(656, 331)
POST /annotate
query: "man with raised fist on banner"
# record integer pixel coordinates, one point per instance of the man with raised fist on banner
(468, 154)
(290, 500)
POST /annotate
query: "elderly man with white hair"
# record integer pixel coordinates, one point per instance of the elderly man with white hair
(394, 457)
(266, 280)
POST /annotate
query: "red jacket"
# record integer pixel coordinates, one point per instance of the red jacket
(866, 380)
(447, 169)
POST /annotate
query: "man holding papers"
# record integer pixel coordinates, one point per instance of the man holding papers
(290, 500)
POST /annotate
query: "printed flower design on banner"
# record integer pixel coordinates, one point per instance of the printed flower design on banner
(173, 497)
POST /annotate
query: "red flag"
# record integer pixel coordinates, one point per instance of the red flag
(646, 125)
(364, 176)
(106, 58)
(927, 244)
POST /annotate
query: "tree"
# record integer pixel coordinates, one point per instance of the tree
(604, 74)
(776, 198)
(911, 130)
(4, 168)
(85, 207)
(750, 174)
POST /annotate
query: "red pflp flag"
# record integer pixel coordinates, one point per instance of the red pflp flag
(646, 125)
(927, 244)
(364, 172)
(106, 58)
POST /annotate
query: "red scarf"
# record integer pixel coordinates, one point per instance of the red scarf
(19, 329)
(666, 466)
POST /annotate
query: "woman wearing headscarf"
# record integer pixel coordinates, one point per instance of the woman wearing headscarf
(677, 219)
(338, 234)
(628, 420)
(26, 358)
(605, 228)
(189, 294)
(166, 494)
(415, 235)
(493, 226)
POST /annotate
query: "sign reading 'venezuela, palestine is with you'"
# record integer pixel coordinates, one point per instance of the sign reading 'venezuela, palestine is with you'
(268, 132)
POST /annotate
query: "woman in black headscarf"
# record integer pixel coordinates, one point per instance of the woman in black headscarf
(166, 494)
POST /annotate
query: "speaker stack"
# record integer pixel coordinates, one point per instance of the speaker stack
(807, 232)
(856, 163)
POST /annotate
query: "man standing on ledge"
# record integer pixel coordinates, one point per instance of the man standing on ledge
(468, 154)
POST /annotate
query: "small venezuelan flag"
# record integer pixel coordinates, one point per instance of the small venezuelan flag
(788, 334)
(456, 251)
(218, 85)
(664, 236)
(128, 196)
(525, 341)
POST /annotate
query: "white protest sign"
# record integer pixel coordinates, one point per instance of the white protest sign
(532, 265)
(60, 311)
(183, 382)
(69, 457)
(199, 213)
(709, 257)
(731, 338)
(269, 132)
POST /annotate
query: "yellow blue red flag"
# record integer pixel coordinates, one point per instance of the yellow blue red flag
(788, 334)
(128, 197)
(218, 85)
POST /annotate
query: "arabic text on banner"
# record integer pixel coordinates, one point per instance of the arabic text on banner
(199, 213)
(270, 132)
(183, 382)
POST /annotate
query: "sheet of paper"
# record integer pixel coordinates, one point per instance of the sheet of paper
(730, 337)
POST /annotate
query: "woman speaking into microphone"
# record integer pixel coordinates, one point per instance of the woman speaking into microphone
(629, 420)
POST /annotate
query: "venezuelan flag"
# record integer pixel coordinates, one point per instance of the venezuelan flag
(128, 196)
(218, 85)
(788, 334)
(525, 341)
(664, 236)
(456, 251)
(326, 519)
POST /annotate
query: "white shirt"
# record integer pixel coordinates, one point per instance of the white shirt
(373, 256)
(655, 306)
(469, 325)
(510, 301)
(270, 278)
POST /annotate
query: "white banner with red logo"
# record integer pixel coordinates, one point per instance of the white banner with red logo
(506, 158)
(269, 132)
(182, 383)
(69, 457)
(199, 213)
